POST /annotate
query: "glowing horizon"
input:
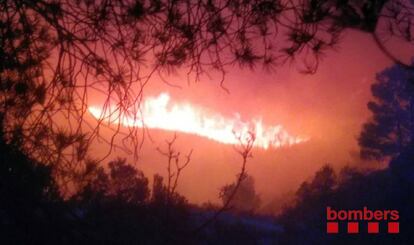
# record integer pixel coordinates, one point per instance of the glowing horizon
(160, 113)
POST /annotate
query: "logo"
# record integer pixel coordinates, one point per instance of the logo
(362, 221)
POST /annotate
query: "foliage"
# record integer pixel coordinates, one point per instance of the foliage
(388, 134)
(351, 189)
(123, 182)
(56, 54)
(30, 205)
(245, 200)
(391, 127)
(112, 207)
(32, 212)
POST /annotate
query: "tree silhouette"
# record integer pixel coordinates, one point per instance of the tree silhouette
(175, 166)
(56, 54)
(391, 127)
(115, 208)
(324, 181)
(351, 189)
(30, 207)
(127, 183)
(122, 182)
(245, 200)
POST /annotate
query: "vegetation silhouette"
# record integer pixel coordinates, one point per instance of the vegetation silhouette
(352, 189)
(387, 136)
(55, 54)
(391, 127)
(30, 207)
(245, 200)
(114, 207)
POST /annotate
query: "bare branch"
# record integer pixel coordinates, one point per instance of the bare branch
(173, 156)
(245, 148)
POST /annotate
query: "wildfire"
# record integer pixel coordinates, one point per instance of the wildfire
(159, 113)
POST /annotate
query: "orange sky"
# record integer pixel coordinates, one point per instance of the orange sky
(329, 107)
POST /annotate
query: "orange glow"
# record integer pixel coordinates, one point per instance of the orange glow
(159, 113)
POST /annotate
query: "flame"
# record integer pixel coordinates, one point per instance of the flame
(159, 113)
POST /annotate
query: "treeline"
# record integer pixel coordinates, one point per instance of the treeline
(352, 189)
(115, 205)
(387, 136)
